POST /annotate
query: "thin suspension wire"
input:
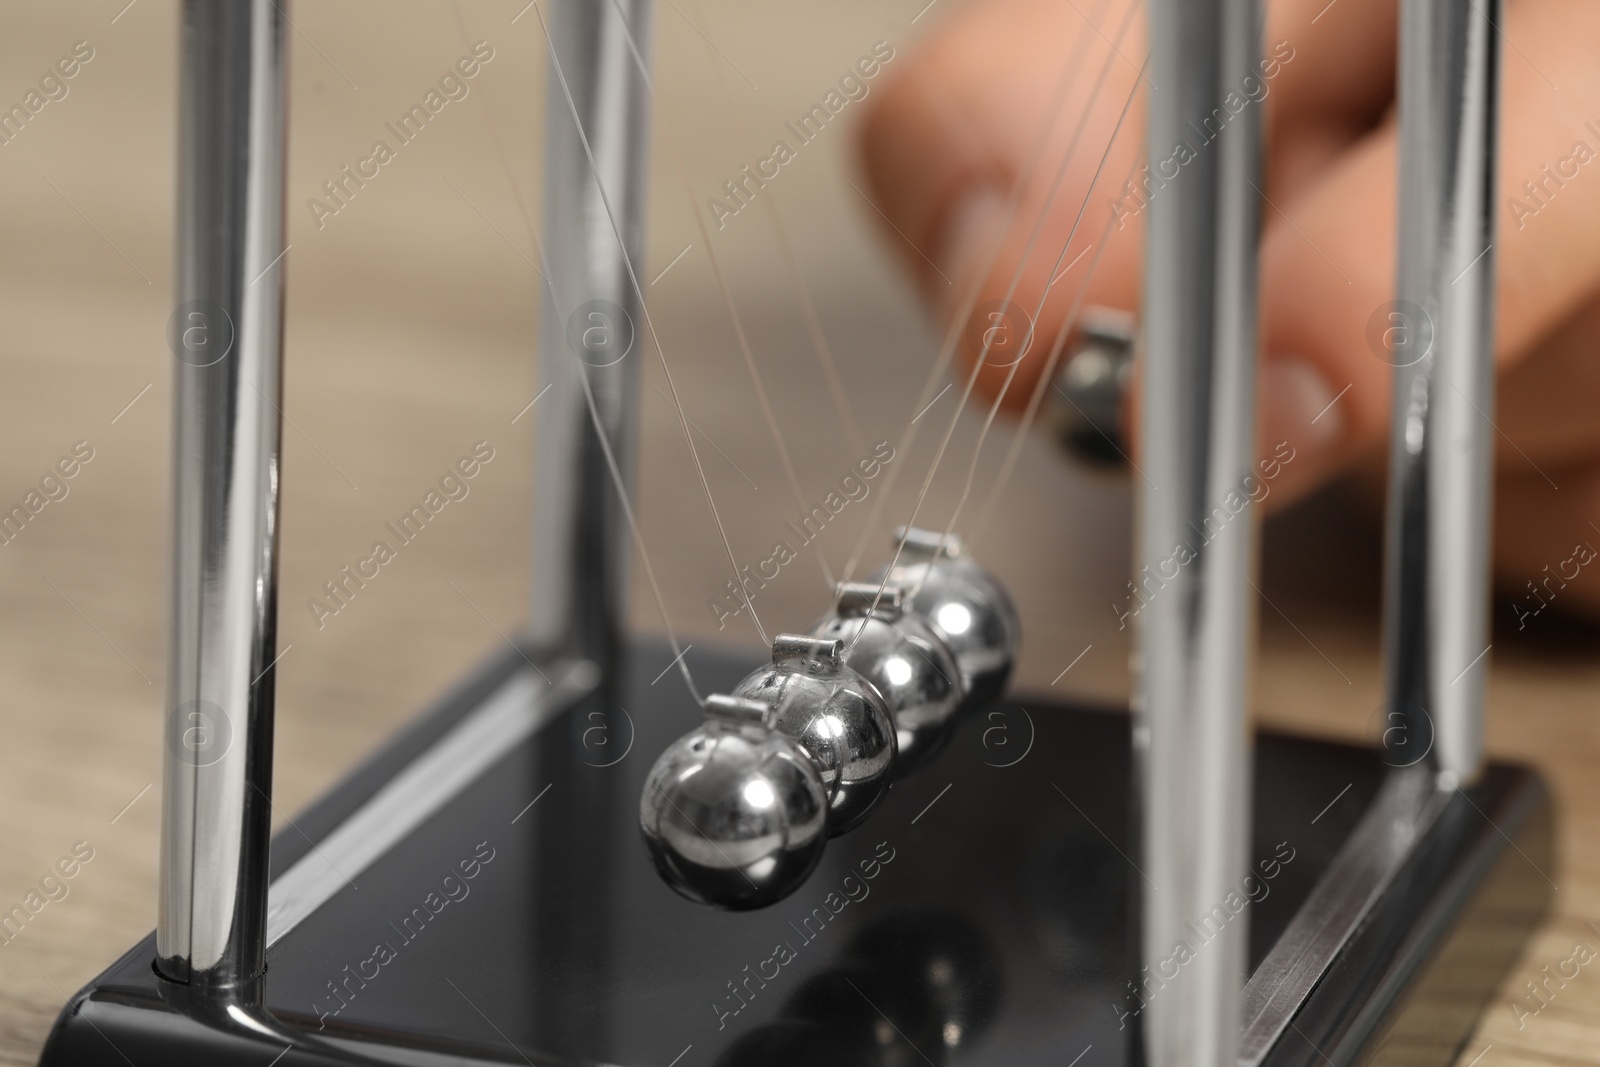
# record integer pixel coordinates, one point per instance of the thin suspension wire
(762, 398)
(1044, 296)
(808, 309)
(633, 523)
(633, 46)
(1046, 380)
(750, 364)
(936, 373)
(983, 355)
(547, 277)
(819, 339)
(661, 354)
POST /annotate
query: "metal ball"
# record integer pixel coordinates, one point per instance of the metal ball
(735, 814)
(965, 605)
(835, 715)
(905, 660)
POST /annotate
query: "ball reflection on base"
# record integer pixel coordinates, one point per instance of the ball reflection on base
(734, 814)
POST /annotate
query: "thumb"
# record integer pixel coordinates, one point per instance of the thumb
(1327, 282)
(987, 153)
(1328, 255)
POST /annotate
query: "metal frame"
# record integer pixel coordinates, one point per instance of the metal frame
(1196, 627)
(581, 540)
(1441, 440)
(1198, 417)
(1195, 631)
(1437, 606)
(227, 337)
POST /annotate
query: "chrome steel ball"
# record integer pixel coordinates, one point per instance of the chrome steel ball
(835, 715)
(965, 605)
(735, 814)
(905, 660)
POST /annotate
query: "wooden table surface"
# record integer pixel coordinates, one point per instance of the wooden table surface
(411, 313)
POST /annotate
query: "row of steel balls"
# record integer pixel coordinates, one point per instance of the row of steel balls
(736, 812)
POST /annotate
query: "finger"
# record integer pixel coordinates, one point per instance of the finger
(996, 65)
(1544, 414)
(1545, 542)
(1546, 522)
(1337, 87)
(1547, 477)
(998, 236)
(1016, 75)
(1328, 258)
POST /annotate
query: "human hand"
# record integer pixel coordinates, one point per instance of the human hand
(977, 109)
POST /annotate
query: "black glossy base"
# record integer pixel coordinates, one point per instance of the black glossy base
(980, 917)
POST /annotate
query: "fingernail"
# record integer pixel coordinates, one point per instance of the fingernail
(972, 230)
(1298, 408)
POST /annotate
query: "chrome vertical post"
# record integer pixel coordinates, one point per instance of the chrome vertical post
(1442, 440)
(589, 324)
(1192, 596)
(226, 333)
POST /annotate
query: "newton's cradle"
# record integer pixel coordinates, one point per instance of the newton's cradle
(1158, 888)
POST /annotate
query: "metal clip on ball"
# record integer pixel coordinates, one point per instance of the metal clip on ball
(964, 604)
(736, 813)
(902, 655)
(835, 715)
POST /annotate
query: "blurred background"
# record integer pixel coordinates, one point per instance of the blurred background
(411, 319)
